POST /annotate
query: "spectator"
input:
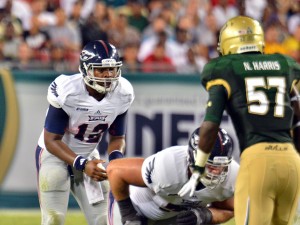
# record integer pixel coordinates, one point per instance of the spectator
(129, 58)
(122, 34)
(96, 26)
(177, 49)
(137, 17)
(45, 18)
(158, 61)
(6, 16)
(194, 63)
(58, 61)
(224, 11)
(292, 44)
(11, 39)
(208, 33)
(196, 8)
(273, 40)
(38, 40)
(293, 22)
(157, 31)
(67, 35)
(155, 27)
(21, 10)
(24, 60)
(255, 8)
(86, 10)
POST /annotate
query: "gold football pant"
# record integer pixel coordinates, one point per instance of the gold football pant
(268, 185)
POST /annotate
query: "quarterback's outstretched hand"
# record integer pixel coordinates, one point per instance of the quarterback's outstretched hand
(191, 185)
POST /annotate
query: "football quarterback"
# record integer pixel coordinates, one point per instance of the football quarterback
(82, 107)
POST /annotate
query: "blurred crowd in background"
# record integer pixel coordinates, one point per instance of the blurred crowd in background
(177, 36)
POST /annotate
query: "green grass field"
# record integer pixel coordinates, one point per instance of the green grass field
(32, 217)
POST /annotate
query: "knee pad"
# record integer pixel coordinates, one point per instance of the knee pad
(101, 220)
(54, 218)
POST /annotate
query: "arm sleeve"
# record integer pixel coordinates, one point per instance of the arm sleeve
(118, 127)
(56, 120)
(216, 104)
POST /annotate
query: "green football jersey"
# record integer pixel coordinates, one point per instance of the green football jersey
(258, 89)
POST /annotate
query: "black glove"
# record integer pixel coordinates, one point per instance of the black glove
(128, 213)
(138, 220)
(195, 216)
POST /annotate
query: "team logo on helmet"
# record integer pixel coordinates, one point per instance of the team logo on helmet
(194, 141)
(86, 55)
(245, 31)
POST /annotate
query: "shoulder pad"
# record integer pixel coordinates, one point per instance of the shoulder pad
(57, 91)
(53, 102)
(126, 89)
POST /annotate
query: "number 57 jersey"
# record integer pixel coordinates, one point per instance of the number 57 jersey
(257, 95)
(88, 117)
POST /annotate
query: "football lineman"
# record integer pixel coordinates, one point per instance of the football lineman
(81, 108)
(146, 189)
(258, 92)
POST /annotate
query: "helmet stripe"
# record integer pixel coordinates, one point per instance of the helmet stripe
(105, 46)
(221, 141)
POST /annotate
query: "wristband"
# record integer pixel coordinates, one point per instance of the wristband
(201, 158)
(79, 163)
(115, 154)
(199, 169)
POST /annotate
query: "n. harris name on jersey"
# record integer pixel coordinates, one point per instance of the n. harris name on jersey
(262, 65)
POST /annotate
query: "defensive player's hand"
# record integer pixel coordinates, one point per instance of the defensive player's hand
(135, 222)
(138, 220)
(95, 171)
(194, 216)
(186, 218)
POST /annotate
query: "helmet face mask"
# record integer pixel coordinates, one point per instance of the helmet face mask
(100, 66)
(216, 168)
(215, 172)
(241, 34)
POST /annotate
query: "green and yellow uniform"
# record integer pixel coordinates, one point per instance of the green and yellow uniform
(255, 91)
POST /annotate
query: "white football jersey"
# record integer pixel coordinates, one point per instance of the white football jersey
(165, 173)
(88, 118)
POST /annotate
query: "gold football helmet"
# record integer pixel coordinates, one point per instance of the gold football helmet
(241, 34)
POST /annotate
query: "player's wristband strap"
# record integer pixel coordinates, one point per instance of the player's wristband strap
(115, 154)
(199, 169)
(79, 163)
(201, 158)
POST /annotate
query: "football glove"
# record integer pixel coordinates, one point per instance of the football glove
(195, 216)
(191, 185)
(138, 220)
